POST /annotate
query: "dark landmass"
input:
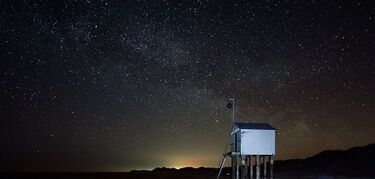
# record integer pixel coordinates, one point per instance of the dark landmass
(357, 161)
(167, 174)
(354, 162)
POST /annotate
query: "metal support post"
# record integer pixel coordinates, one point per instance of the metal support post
(264, 166)
(257, 167)
(251, 167)
(271, 166)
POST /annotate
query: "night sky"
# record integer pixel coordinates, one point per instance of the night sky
(121, 85)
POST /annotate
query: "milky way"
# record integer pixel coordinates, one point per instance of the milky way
(116, 86)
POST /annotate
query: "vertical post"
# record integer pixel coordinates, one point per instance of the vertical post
(234, 147)
(243, 167)
(237, 167)
(251, 167)
(264, 166)
(271, 166)
(234, 164)
(257, 167)
(237, 158)
(247, 166)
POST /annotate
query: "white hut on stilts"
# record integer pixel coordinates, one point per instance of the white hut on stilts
(250, 142)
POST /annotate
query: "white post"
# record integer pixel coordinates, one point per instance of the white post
(251, 167)
(265, 166)
(237, 167)
(258, 167)
(271, 166)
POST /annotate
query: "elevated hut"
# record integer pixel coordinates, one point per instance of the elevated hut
(252, 141)
(249, 143)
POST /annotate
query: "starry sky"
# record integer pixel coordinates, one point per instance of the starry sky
(122, 85)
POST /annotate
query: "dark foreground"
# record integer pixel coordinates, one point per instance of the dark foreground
(357, 161)
(106, 176)
(136, 176)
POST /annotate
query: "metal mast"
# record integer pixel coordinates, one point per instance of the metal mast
(235, 168)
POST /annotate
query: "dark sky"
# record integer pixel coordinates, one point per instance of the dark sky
(120, 85)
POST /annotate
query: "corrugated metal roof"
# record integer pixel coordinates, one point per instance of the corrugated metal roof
(263, 126)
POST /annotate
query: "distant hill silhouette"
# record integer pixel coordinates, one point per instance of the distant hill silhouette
(357, 161)
(354, 162)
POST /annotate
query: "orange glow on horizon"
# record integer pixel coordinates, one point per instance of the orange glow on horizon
(179, 162)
